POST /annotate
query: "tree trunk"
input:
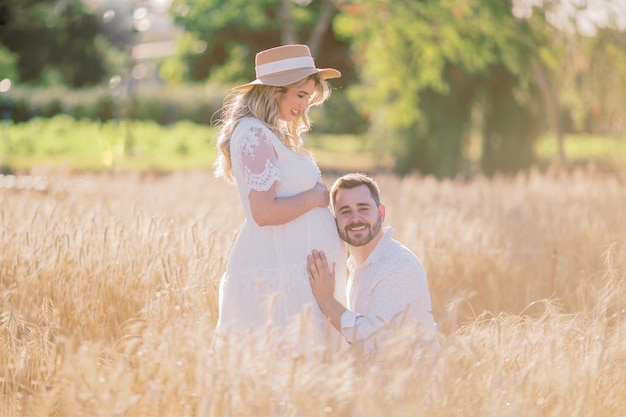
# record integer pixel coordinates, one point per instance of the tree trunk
(321, 27)
(552, 105)
(509, 128)
(288, 35)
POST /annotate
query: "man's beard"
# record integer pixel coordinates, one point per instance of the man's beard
(364, 239)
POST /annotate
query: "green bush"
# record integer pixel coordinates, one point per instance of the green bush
(165, 105)
(162, 104)
(8, 64)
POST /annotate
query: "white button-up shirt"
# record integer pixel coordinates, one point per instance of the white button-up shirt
(389, 290)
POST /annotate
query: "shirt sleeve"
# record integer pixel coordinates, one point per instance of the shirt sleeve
(348, 319)
(395, 299)
(259, 159)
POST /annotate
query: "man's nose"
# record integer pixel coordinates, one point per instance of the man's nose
(354, 216)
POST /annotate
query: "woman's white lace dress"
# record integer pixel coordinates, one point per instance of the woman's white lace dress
(266, 279)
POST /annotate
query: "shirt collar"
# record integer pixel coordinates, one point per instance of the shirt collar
(377, 253)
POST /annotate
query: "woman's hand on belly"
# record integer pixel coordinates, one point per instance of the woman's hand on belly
(269, 210)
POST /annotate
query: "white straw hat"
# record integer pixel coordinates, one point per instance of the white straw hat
(285, 65)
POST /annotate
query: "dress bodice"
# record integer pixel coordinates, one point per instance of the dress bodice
(259, 159)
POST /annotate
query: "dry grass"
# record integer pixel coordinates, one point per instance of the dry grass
(108, 291)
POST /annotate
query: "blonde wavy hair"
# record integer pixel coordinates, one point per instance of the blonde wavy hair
(260, 102)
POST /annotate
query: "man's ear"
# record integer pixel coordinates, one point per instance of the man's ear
(381, 211)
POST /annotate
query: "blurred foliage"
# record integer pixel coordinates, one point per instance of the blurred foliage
(338, 115)
(84, 145)
(511, 125)
(579, 65)
(428, 82)
(426, 64)
(434, 73)
(62, 142)
(608, 154)
(8, 68)
(161, 104)
(601, 83)
(49, 38)
(197, 103)
(228, 33)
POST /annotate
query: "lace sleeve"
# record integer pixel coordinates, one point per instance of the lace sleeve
(259, 160)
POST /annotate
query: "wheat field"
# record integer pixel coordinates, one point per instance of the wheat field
(108, 288)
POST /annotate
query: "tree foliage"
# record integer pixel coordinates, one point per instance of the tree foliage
(432, 76)
(63, 37)
(425, 64)
(603, 88)
(8, 67)
(226, 34)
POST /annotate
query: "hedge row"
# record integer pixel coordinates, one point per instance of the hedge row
(162, 104)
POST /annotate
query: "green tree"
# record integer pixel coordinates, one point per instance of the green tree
(602, 88)
(512, 121)
(224, 35)
(579, 66)
(8, 69)
(424, 65)
(59, 36)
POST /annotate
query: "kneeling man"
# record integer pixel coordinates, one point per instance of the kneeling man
(387, 285)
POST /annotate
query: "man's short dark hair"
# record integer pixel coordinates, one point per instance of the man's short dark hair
(353, 180)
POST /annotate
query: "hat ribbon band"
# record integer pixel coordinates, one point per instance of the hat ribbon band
(284, 65)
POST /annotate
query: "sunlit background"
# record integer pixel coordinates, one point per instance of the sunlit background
(496, 129)
(454, 87)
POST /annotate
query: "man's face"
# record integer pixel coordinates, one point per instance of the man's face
(358, 219)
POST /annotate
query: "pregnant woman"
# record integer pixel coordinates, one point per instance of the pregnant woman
(261, 150)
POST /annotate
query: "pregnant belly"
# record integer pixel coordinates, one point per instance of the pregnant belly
(287, 244)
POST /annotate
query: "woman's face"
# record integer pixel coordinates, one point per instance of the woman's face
(295, 100)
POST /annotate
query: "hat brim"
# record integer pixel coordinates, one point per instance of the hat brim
(290, 77)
